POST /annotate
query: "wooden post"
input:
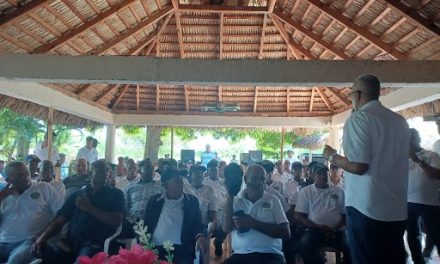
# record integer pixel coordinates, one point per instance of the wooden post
(49, 133)
(172, 142)
(283, 131)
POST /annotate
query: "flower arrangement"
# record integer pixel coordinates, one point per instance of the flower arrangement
(144, 253)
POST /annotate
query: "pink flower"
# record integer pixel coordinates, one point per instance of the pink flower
(97, 259)
(137, 255)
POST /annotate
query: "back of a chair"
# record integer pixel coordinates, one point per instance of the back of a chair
(108, 240)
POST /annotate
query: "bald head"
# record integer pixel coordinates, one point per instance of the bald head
(369, 85)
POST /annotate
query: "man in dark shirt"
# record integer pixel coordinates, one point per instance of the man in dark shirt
(75, 182)
(93, 214)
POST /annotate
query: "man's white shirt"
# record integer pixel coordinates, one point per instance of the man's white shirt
(90, 155)
(376, 136)
(207, 201)
(267, 209)
(322, 206)
(423, 189)
(43, 153)
(25, 216)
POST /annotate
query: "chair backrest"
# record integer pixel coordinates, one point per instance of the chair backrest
(108, 240)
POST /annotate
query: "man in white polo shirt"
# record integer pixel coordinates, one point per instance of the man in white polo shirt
(25, 209)
(257, 222)
(423, 197)
(376, 144)
(88, 152)
(320, 208)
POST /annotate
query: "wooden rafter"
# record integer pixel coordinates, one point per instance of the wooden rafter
(75, 10)
(150, 48)
(43, 23)
(423, 45)
(310, 34)
(414, 16)
(255, 99)
(186, 97)
(263, 30)
(138, 97)
(160, 32)
(394, 26)
(157, 97)
(22, 11)
(380, 17)
(306, 13)
(288, 100)
(142, 44)
(295, 6)
(359, 30)
(59, 16)
(82, 89)
(106, 92)
(363, 9)
(130, 32)
(81, 29)
(338, 95)
(318, 20)
(220, 96)
(325, 98)
(224, 9)
(295, 48)
(178, 27)
(312, 100)
(121, 94)
(14, 41)
(222, 18)
(271, 5)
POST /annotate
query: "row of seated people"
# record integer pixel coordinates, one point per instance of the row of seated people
(33, 214)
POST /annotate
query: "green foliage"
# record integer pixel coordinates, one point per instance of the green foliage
(132, 130)
(269, 142)
(231, 134)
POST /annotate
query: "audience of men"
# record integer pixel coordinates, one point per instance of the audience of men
(138, 195)
(88, 152)
(42, 150)
(175, 216)
(376, 144)
(93, 214)
(75, 182)
(25, 209)
(257, 222)
(423, 197)
(320, 208)
(48, 175)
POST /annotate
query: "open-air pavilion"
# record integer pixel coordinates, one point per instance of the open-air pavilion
(169, 63)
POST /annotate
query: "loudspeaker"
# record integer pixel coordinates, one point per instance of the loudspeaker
(187, 155)
(256, 155)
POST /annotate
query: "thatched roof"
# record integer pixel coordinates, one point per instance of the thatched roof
(426, 109)
(257, 29)
(316, 141)
(41, 112)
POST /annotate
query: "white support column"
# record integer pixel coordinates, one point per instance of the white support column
(333, 139)
(110, 143)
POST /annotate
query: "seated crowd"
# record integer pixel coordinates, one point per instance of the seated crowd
(275, 213)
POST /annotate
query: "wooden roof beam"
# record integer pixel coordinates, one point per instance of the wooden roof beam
(263, 31)
(255, 99)
(222, 23)
(310, 34)
(186, 88)
(81, 29)
(138, 99)
(121, 94)
(338, 95)
(414, 16)
(23, 11)
(312, 100)
(295, 48)
(325, 98)
(106, 92)
(223, 9)
(157, 97)
(288, 100)
(178, 27)
(82, 88)
(365, 33)
(160, 32)
(118, 39)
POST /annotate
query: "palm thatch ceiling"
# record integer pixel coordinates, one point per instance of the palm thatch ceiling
(229, 29)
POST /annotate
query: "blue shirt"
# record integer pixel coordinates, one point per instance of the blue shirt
(207, 157)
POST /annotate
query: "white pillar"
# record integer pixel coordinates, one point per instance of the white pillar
(333, 139)
(110, 143)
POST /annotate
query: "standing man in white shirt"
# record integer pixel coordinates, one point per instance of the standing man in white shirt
(42, 150)
(291, 156)
(423, 197)
(376, 144)
(88, 152)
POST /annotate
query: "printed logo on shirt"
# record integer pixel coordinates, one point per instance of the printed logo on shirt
(334, 196)
(35, 195)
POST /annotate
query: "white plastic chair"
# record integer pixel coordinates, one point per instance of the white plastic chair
(108, 240)
(207, 256)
